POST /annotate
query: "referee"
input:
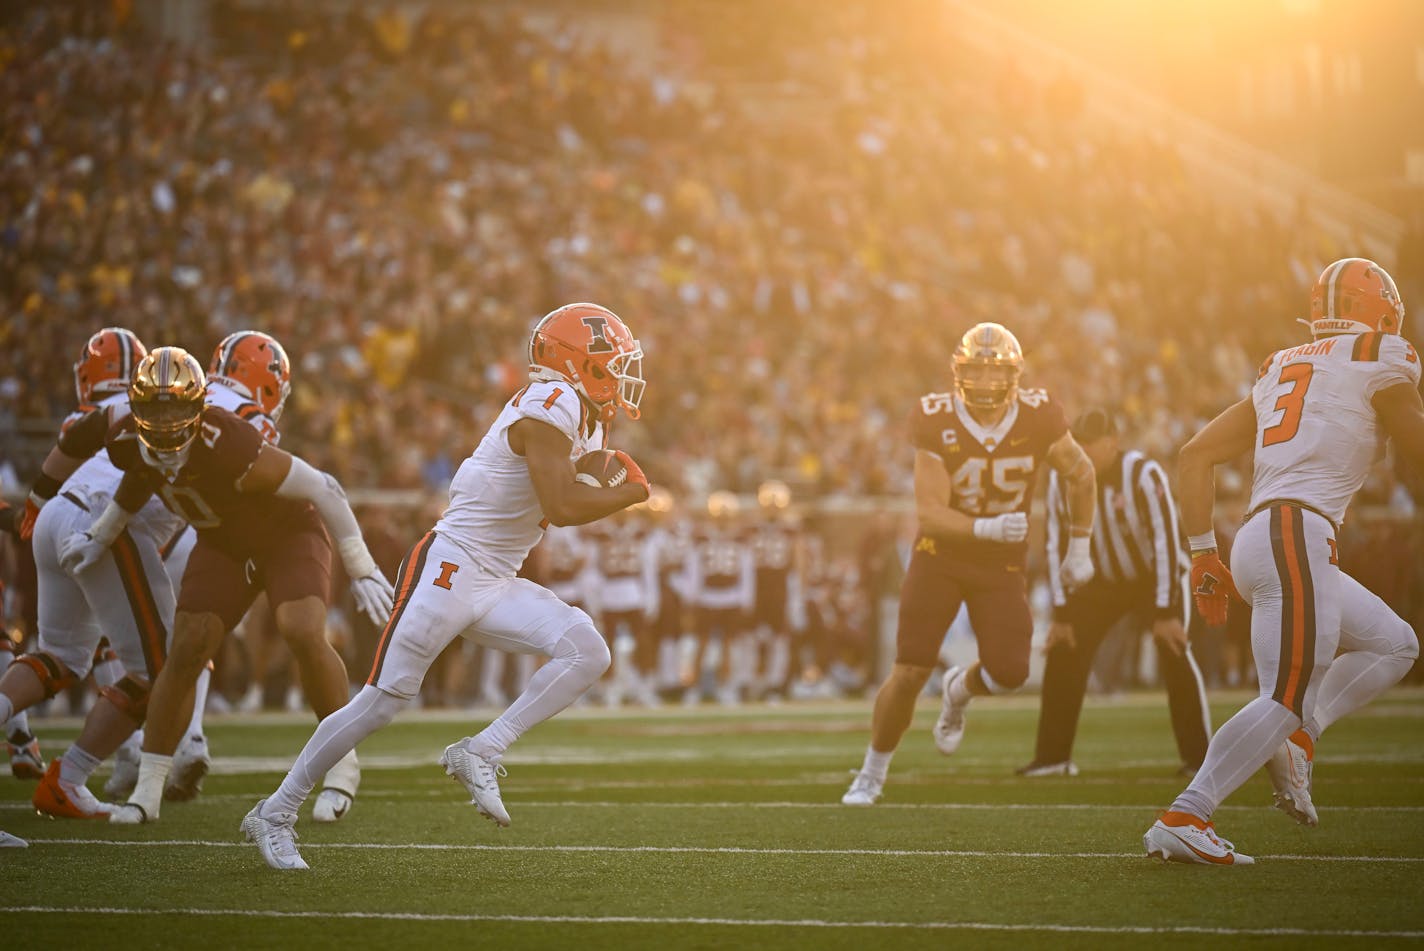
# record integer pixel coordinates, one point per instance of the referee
(1141, 572)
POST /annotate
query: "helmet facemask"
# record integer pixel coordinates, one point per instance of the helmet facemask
(167, 425)
(985, 385)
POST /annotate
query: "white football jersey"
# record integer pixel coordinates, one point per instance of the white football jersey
(1317, 435)
(224, 395)
(494, 514)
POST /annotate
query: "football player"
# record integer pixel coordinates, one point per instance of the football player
(776, 542)
(1316, 421)
(250, 376)
(460, 578)
(125, 595)
(721, 577)
(262, 517)
(626, 595)
(978, 450)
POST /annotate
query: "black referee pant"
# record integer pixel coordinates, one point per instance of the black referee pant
(1093, 611)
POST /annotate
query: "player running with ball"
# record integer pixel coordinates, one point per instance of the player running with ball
(460, 578)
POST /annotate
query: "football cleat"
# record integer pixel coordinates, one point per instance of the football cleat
(128, 814)
(60, 800)
(190, 764)
(1291, 768)
(864, 790)
(1036, 769)
(338, 789)
(25, 759)
(949, 728)
(275, 837)
(1181, 837)
(480, 778)
(125, 775)
(8, 841)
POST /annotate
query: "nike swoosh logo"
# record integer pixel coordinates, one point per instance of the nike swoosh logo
(1018, 442)
(1227, 859)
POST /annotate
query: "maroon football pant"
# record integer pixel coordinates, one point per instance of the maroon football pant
(997, 598)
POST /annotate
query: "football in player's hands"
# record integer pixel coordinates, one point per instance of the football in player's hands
(601, 468)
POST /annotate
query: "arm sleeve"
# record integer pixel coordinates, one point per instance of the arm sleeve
(1055, 507)
(325, 494)
(1161, 511)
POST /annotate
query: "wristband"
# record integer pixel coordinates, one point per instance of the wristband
(1079, 546)
(45, 487)
(1204, 542)
(356, 557)
(109, 524)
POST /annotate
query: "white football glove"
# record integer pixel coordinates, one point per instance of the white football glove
(374, 597)
(1012, 527)
(1077, 564)
(79, 552)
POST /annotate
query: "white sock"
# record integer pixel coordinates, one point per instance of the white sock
(12, 720)
(76, 766)
(959, 687)
(335, 737)
(200, 701)
(580, 658)
(1353, 680)
(152, 774)
(1239, 748)
(877, 764)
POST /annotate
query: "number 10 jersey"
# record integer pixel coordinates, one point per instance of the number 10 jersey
(1317, 434)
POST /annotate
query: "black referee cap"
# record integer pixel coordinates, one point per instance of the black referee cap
(1093, 424)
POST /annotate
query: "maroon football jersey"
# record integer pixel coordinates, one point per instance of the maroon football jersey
(719, 549)
(621, 547)
(205, 492)
(991, 469)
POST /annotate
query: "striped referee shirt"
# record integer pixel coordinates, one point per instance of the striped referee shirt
(1136, 536)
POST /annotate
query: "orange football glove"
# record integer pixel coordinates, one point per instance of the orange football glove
(32, 512)
(635, 472)
(1212, 586)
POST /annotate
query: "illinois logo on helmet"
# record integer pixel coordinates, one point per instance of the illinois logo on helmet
(166, 397)
(592, 349)
(1355, 295)
(106, 363)
(255, 365)
(987, 365)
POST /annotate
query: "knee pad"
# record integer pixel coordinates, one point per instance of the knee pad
(54, 676)
(130, 696)
(585, 648)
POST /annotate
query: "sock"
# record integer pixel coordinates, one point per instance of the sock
(1305, 741)
(580, 658)
(959, 688)
(200, 700)
(76, 766)
(152, 774)
(1353, 680)
(335, 737)
(1239, 748)
(11, 719)
(877, 764)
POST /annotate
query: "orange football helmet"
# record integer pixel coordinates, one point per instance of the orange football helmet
(590, 347)
(987, 365)
(1355, 295)
(106, 363)
(255, 365)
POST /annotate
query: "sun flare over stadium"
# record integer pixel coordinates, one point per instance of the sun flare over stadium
(711, 473)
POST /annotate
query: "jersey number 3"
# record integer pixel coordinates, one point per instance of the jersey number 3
(1291, 404)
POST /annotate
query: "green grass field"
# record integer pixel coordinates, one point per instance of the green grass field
(724, 829)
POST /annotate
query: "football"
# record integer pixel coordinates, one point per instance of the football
(600, 468)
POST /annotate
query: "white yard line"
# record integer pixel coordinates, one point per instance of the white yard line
(697, 850)
(726, 922)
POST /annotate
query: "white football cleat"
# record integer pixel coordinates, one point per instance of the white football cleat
(190, 764)
(480, 778)
(276, 838)
(125, 775)
(338, 790)
(8, 841)
(128, 814)
(1179, 837)
(1291, 769)
(25, 759)
(864, 790)
(949, 728)
(1036, 769)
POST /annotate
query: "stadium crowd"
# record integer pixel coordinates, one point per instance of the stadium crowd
(798, 220)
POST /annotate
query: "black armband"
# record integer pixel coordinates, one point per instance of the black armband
(46, 487)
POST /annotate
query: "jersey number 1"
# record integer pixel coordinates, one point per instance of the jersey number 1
(1292, 403)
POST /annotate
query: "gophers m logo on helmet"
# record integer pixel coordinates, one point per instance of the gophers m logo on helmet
(598, 327)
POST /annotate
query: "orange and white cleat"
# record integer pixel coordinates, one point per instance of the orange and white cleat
(60, 800)
(25, 759)
(1291, 768)
(1182, 837)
